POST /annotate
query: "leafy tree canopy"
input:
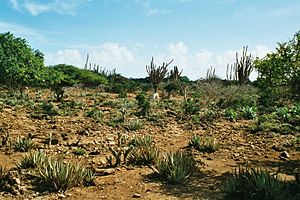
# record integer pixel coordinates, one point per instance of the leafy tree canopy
(19, 63)
(281, 68)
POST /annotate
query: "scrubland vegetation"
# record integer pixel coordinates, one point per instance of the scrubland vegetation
(89, 133)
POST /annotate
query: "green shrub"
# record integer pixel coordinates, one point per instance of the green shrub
(209, 115)
(141, 141)
(209, 145)
(195, 141)
(175, 167)
(95, 114)
(143, 104)
(89, 178)
(248, 112)
(32, 160)
(206, 145)
(134, 125)
(235, 97)
(144, 151)
(230, 114)
(23, 145)
(284, 114)
(191, 106)
(79, 151)
(256, 184)
(59, 176)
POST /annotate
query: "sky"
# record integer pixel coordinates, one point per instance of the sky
(125, 34)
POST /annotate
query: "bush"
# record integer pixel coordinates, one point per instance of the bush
(191, 106)
(24, 144)
(95, 114)
(134, 125)
(279, 73)
(175, 167)
(195, 141)
(249, 112)
(144, 151)
(255, 184)
(206, 145)
(143, 104)
(32, 160)
(59, 176)
(79, 151)
(230, 114)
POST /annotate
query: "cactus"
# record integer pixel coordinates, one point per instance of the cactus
(175, 74)
(157, 74)
(243, 66)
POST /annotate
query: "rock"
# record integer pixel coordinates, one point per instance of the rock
(61, 196)
(136, 195)
(105, 172)
(284, 154)
(16, 181)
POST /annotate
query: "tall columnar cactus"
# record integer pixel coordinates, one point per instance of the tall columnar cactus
(211, 73)
(175, 74)
(243, 66)
(157, 74)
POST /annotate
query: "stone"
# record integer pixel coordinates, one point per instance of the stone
(105, 172)
(285, 154)
(61, 196)
(136, 195)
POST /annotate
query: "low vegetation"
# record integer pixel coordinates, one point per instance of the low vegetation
(63, 127)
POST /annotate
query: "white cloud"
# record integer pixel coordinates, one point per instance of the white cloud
(67, 56)
(15, 4)
(112, 54)
(195, 65)
(35, 7)
(108, 55)
(21, 31)
(150, 10)
(130, 63)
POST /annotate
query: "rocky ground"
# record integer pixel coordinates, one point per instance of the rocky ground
(71, 129)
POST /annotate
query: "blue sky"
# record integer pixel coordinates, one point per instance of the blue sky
(125, 34)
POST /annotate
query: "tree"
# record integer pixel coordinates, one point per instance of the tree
(279, 72)
(20, 65)
(56, 80)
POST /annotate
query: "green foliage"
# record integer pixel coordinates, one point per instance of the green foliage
(59, 176)
(116, 159)
(236, 97)
(175, 167)
(249, 112)
(172, 87)
(191, 106)
(195, 141)
(206, 145)
(89, 178)
(95, 113)
(143, 104)
(23, 145)
(209, 115)
(258, 184)
(230, 114)
(90, 79)
(79, 151)
(134, 125)
(44, 110)
(20, 65)
(32, 160)
(280, 72)
(284, 114)
(144, 151)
